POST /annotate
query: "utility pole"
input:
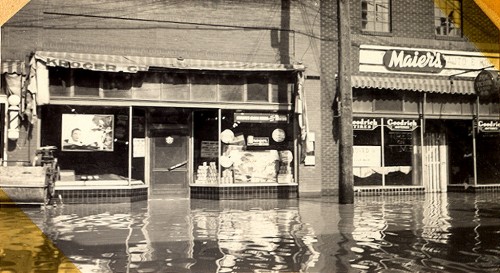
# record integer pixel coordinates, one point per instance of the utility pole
(346, 180)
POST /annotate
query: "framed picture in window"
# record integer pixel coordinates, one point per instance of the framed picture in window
(87, 132)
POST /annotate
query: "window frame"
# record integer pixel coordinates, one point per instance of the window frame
(375, 14)
(447, 31)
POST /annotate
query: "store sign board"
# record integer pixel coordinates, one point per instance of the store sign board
(402, 124)
(486, 83)
(96, 66)
(260, 117)
(365, 124)
(259, 141)
(371, 59)
(489, 126)
(414, 61)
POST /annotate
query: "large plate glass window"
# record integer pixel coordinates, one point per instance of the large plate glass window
(386, 152)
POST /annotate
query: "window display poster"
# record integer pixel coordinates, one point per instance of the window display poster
(87, 132)
(366, 156)
(139, 147)
(209, 149)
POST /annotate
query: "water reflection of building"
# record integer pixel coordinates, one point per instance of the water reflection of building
(236, 239)
(435, 224)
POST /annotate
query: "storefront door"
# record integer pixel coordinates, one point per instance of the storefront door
(169, 168)
(435, 158)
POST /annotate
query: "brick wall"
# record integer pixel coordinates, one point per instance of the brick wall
(22, 150)
(413, 26)
(329, 67)
(233, 30)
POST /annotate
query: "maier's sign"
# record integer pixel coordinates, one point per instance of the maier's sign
(414, 61)
(486, 83)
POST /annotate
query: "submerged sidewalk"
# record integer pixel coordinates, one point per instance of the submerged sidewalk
(432, 233)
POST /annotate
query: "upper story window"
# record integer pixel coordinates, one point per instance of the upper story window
(376, 15)
(448, 17)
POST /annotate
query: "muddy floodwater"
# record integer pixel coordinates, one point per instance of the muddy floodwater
(453, 232)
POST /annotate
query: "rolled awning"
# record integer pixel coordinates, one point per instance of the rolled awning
(133, 64)
(432, 85)
(13, 67)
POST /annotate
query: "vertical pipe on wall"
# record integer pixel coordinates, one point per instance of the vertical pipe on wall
(130, 115)
(382, 145)
(219, 124)
(422, 142)
(474, 134)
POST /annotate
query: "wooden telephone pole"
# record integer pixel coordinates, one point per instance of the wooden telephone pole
(346, 180)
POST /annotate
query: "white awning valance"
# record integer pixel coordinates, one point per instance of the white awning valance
(133, 64)
(432, 85)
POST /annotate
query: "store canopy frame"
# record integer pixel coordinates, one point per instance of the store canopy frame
(134, 64)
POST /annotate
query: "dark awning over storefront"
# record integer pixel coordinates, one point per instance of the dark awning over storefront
(433, 85)
(133, 64)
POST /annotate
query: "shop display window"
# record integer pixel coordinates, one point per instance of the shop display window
(367, 155)
(246, 148)
(399, 159)
(386, 152)
(488, 154)
(86, 162)
(138, 143)
(206, 147)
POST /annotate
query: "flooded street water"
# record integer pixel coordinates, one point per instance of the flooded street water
(423, 233)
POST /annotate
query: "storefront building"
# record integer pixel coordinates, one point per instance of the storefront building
(211, 129)
(419, 123)
(169, 127)
(142, 107)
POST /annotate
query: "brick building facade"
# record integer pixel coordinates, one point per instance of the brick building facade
(239, 39)
(287, 38)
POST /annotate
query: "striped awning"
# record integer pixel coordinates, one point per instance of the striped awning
(132, 64)
(13, 67)
(432, 85)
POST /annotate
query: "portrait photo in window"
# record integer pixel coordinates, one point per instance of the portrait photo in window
(87, 132)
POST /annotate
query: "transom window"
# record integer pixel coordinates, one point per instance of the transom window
(376, 15)
(171, 86)
(448, 17)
